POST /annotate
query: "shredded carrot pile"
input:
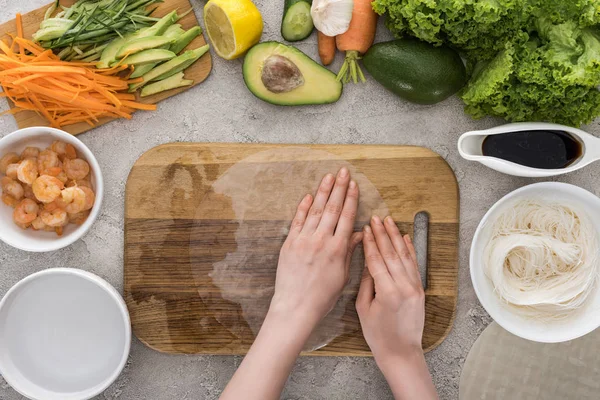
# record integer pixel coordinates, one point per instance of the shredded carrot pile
(63, 92)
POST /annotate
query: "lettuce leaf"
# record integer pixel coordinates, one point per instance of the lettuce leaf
(549, 77)
(477, 27)
(535, 59)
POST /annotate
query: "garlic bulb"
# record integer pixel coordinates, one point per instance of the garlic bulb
(332, 17)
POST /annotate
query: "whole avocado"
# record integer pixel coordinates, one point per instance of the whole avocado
(415, 70)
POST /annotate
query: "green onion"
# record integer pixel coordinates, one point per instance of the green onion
(91, 23)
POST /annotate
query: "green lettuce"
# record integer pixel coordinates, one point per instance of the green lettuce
(551, 76)
(535, 60)
(476, 27)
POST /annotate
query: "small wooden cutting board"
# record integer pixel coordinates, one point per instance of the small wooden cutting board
(204, 224)
(198, 71)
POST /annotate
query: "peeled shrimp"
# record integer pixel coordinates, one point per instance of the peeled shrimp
(90, 197)
(12, 188)
(79, 218)
(64, 150)
(22, 226)
(62, 176)
(47, 188)
(79, 182)
(28, 192)
(26, 212)
(11, 171)
(76, 169)
(53, 171)
(27, 172)
(38, 224)
(9, 200)
(47, 159)
(55, 218)
(30, 152)
(74, 199)
(9, 158)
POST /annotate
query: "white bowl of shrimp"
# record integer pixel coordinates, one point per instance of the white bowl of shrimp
(52, 189)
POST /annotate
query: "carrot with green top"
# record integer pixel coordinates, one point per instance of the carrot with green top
(357, 40)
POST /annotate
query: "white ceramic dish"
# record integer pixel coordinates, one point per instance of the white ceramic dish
(65, 334)
(580, 322)
(469, 147)
(38, 241)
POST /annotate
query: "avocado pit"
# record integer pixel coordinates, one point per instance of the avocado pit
(280, 74)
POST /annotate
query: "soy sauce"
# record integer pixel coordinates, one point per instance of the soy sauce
(536, 149)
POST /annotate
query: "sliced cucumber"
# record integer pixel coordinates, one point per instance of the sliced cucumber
(173, 82)
(297, 24)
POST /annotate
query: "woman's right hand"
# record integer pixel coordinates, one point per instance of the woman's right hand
(391, 300)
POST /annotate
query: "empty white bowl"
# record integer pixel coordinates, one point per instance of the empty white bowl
(40, 241)
(581, 321)
(64, 335)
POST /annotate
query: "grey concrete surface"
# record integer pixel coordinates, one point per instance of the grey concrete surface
(223, 110)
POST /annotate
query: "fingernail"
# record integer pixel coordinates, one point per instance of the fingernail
(376, 219)
(352, 185)
(344, 172)
(329, 178)
(389, 220)
(408, 238)
(367, 229)
(307, 197)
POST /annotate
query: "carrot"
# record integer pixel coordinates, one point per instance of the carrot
(19, 21)
(62, 92)
(357, 40)
(326, 48)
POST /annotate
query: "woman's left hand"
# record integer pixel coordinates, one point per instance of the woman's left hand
(315, 258)
(312, 271)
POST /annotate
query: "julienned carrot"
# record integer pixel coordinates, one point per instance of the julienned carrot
(34, 69)
(326, 48)
(62, 92)
(357, 40)
(19, 22)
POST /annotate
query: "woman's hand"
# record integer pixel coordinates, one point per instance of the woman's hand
(391, 308)
(315, 259)
(312, 271)
(391, 300)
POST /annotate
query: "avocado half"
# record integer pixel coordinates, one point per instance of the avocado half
(293, 77)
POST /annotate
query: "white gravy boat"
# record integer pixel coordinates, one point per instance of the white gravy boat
(470, 148)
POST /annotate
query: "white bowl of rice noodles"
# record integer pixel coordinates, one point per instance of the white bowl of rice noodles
(535, 262)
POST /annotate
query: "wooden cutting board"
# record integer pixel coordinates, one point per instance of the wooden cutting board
(204, 224)
(198, 72)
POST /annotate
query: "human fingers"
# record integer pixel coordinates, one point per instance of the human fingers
(413, 255)
(335, 203)
(411, 249)
(345, 225)
(377, 268)
(301, 213)
(318, 206)
(410, 267)
(366, 292)
(355, 239)
(388, 252)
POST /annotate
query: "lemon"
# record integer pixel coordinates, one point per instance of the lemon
(233, 26)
